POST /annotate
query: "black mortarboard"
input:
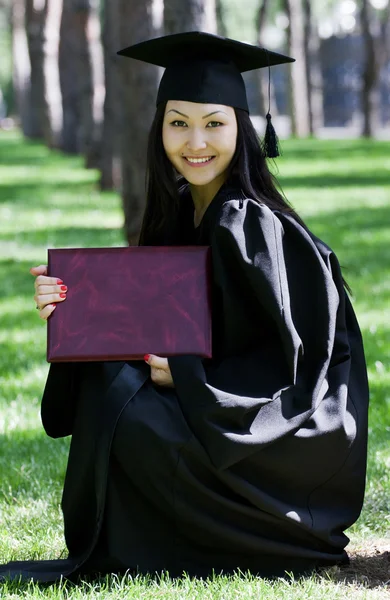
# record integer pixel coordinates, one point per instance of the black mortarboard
(202, 67)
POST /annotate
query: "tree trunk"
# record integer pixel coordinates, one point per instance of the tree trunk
(377, 52)
(385, 35)
(370, 96)
(51, 71)
(191, 15)
(220, 17)
(137, 98)
(76, 78)
(95, 49)
(313, 70)
(298, 85)
(35, 18)
(385, 50)
(21, 69)
(265, 86)
(110, 148)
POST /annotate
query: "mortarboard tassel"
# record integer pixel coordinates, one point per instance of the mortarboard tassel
(271, 142)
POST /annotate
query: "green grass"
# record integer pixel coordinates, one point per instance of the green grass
(341, 188)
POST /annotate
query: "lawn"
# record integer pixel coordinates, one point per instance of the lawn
(342, 189)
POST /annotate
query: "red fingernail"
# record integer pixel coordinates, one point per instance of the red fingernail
(62, 295)
(64, 288)
(59, 281)
(146, 357)
(53, 305)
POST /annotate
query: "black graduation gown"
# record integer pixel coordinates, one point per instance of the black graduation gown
(257, 459)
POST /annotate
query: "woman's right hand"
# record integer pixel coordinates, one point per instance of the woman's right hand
(48, 290)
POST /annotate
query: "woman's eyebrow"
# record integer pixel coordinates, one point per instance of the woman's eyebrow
(187, 117)
(213, 113)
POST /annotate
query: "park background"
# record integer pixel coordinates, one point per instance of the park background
(74, 119)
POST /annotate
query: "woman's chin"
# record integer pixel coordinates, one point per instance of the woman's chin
(199, 178)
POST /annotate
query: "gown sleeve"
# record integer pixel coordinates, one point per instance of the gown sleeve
(275, 260)
(59, 399)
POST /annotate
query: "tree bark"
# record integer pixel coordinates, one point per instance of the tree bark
(377, 52)
(110, 149)
(35, 18)
(51, 71)
(137, 98)
(370, 95)
(265, 85)
(298, 85)
(95, 49)
(191, 15)
(76, 78)
(315, 92)
(220, 17)
(21, 69)
(385, 35)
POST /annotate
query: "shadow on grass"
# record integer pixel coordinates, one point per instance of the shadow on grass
(15, 150)
(77, 197)
(18, 358)
(329, 180)
(32, 465)
(18, 281)
(369, 567)
(364, 572)
(67, 236)
(39, 194)
(307, 150)
(361, 219)
(359, 238)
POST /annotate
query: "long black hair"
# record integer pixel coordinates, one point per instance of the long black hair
(248, 168)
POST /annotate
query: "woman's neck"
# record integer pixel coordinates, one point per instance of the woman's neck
(202, 196)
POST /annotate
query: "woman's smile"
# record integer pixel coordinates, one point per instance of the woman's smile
(200, 161)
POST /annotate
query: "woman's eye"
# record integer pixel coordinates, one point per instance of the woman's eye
(179, 123)
(211, 124)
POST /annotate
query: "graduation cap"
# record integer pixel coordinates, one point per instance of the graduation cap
(206, 68)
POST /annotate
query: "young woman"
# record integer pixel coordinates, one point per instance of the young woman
(256, 458)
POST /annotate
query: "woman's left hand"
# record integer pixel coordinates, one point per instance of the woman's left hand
(160, 372)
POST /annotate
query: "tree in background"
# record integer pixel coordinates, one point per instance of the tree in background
(189, 16)
(264, 84)
(297, 73)
(137, 88)
(35, 35)
(21, 69)
(315, 92)
(110, 149)
(220, 17)
(35, 23)
(95, 48)
(51, 71)
(79, 41)
(376, 34)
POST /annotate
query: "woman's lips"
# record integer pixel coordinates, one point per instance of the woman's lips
(198, 164)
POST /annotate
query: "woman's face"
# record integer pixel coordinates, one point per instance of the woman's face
(199, 139)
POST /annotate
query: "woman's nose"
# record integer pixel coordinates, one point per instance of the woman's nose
(196, 141)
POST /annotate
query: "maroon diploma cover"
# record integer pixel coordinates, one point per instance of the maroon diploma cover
(123, 303)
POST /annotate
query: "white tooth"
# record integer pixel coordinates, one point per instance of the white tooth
(199, 160)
